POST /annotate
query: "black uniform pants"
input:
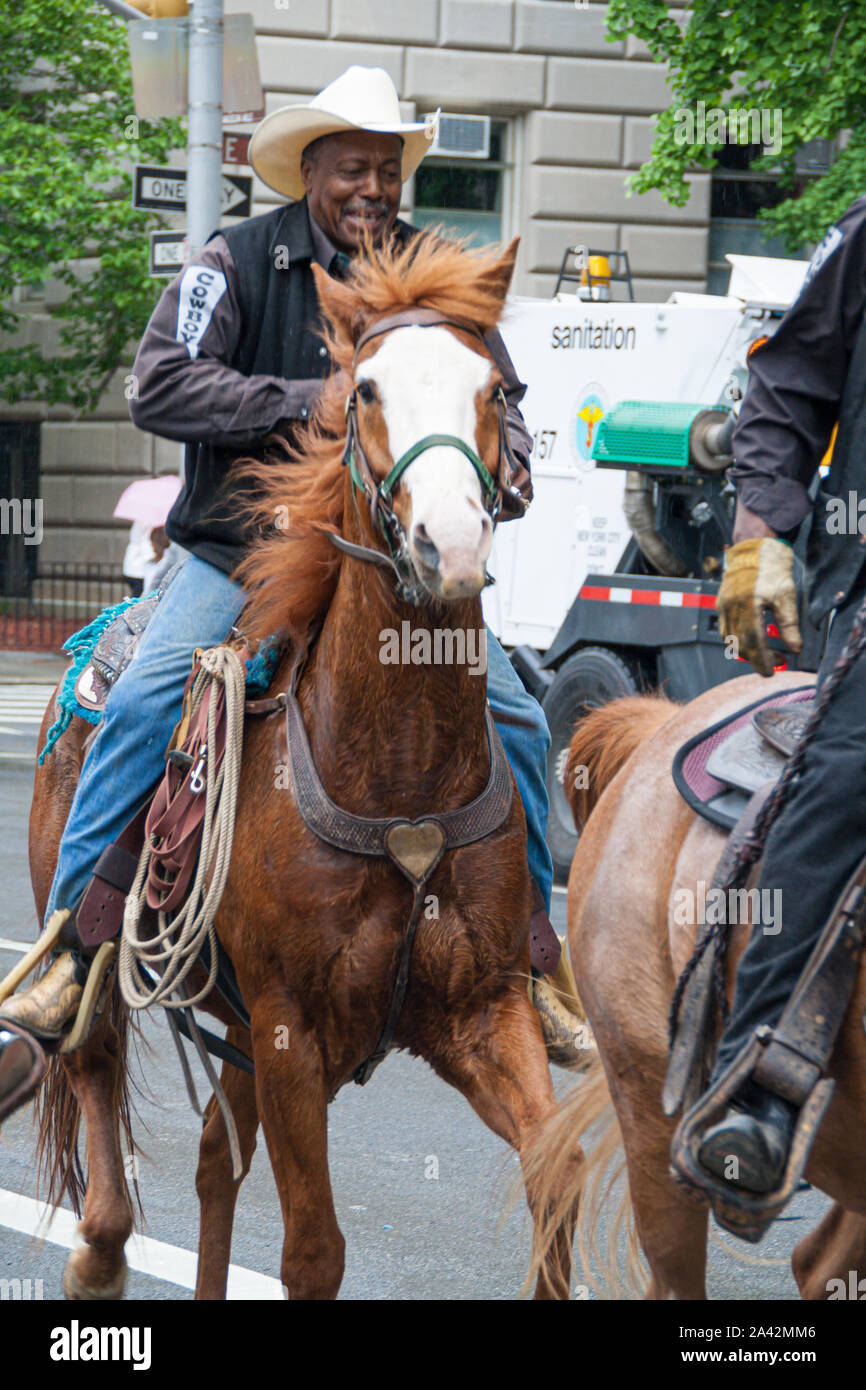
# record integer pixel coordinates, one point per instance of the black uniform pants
(815, 845)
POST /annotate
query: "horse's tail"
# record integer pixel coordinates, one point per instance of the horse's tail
(557, 1182)
(59, 1164)
(603, 742)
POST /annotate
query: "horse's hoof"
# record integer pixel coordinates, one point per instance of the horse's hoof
(76, 1291)
(567, 1037)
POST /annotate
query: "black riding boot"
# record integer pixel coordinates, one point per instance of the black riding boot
(750, 1146)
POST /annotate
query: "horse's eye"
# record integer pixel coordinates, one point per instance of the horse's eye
(367, 392)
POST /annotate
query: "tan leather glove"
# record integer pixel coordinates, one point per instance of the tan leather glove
(759, 575)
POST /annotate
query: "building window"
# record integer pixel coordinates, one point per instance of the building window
(19, 487)
(467, 196)
(739, 193)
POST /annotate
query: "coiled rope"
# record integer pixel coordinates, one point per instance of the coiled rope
(173, 952)
(175, 948)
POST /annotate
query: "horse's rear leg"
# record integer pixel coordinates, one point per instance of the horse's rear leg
(498, 1061)
(672, 1228)
(833, 1250)
(96, 1074)
(292, 1099)
(217, 1189)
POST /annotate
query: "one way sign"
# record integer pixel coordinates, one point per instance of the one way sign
(164, 190)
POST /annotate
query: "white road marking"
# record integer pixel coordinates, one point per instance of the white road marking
(24, 704)
(154, 1257)
(169, 1263)
(21, 947)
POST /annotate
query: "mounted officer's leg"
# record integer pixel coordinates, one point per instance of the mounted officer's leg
(122, 766)
(812, 850)
(526, 740)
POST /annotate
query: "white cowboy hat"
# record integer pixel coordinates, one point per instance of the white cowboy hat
(360, 99)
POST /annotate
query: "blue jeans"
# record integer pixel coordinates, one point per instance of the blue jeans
(127, 756)
(526, 746)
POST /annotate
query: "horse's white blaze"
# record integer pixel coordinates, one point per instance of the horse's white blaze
(427, 382)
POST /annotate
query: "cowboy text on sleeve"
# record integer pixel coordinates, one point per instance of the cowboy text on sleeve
(184, 388)
(797, 378)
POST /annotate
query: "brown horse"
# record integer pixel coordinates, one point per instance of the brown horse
(314, 932)
(628, 946)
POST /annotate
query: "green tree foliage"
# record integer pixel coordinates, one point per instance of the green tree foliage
(804, 58)
(68, 139)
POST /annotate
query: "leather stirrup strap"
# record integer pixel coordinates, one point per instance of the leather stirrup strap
(796, 1053)
(790, 1060)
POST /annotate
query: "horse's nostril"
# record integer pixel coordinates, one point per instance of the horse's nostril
(424, 547)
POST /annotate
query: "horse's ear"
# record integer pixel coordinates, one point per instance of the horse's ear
(498, 277)
(339, 302)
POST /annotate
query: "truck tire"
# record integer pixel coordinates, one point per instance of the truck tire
(586, 680)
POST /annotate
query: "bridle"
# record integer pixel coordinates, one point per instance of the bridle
(380, 494)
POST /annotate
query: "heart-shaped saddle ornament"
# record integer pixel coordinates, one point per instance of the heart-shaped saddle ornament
(415, 847)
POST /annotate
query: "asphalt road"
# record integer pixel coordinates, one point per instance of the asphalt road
(409, 1234)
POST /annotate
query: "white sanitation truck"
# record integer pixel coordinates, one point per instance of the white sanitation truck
(608, 584)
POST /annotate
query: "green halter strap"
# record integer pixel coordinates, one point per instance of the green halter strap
(430, 441)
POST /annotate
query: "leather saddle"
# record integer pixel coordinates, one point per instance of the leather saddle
(116, 647)
(719, 770)
(113, 653)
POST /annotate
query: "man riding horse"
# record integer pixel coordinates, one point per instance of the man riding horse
(810, 374)
(232, 353)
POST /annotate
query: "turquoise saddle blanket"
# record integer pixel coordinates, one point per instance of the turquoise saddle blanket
(80, 646)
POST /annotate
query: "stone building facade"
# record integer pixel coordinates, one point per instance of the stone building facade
(572, 113)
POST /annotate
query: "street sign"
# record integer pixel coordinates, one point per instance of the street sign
(164, 190)
(159, 58)
(245, 117)
(168, 253)
(235, 148)
(237, 195)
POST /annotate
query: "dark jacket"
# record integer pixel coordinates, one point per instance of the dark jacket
(233, 349)
(811, 373)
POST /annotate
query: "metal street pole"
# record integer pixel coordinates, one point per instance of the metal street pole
(205, 122)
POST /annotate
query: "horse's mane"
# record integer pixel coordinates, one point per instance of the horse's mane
(292, 568)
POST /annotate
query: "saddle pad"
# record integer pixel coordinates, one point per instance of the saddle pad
(708, 795)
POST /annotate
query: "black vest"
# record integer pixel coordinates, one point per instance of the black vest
(280, 336)
(835, 556)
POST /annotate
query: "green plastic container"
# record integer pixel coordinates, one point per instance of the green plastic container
(647, 434)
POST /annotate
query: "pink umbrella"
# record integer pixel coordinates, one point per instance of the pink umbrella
(148, 500)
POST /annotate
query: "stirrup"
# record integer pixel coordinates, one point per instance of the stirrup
(564, 1028)
(100, 966)
(744, 1214)
(17, 1086)
(38, 951)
